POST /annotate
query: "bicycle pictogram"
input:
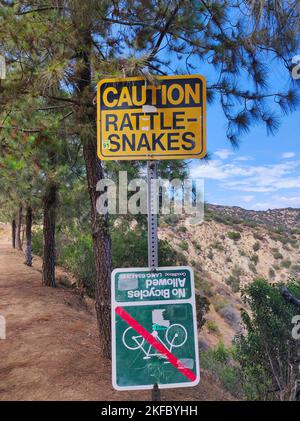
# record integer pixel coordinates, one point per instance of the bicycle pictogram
(169, 335)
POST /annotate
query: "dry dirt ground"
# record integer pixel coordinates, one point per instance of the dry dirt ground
(51, 349)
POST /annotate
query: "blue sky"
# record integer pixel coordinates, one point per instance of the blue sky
(264, 173)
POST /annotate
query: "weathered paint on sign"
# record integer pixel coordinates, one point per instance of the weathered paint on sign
(139, 121)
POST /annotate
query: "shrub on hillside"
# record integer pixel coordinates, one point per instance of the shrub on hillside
(252, 267)
(233, 235)
(271, 273)
(285, 264)
(266, 351)
(210, 254)
(258, 236)
(212, 327)
(256, 246)
(231, 315)
(202, 308)
(184, 245)
(254, 258)
(220, 362)
(196, 245)
(218, 302)
(182, 229)
(171, 219)
(233, 282)
(277, 255)
(217, 245)
(234, 279)
(205, 287)
(295, 269)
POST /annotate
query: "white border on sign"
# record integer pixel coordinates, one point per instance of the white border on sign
(115, 303)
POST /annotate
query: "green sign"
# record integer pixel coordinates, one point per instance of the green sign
(154, 329)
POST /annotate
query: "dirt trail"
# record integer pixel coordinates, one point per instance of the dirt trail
(51, 349)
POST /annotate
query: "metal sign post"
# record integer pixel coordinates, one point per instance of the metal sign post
(152, 235)
(152, 215)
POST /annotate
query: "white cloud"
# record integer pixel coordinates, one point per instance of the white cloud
(223, 153)
(244, 158)
(251, 178)
(248, 198)
(212, 169)
(288, 155)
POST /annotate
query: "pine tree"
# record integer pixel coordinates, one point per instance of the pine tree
(59, 51)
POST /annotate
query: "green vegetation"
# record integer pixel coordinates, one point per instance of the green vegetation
(277, 255)
(234, 279)
(196, 279)
(219, 302)
(182, 229)
(256, 246)
(196, 245)
(184, 245)
(285, 264)
(258, 236)
(233, 235)
(252, 267)
(262, 364)
(205, 287)
(213, 327)
(220, 361)
(210, 254)
(295, 269)
(202, 308)
(129, 250)
(267, 354)
(171, 219)
(217, 245)
(56, 52)
(271, 273)
(254, 258)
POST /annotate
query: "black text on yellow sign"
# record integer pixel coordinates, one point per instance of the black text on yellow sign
(140, 121)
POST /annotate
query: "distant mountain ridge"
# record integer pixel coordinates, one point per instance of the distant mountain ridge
(228, 250)
(285, 217)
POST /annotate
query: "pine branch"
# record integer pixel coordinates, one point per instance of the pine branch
(41, 9)
(20, 129)
(164, 32)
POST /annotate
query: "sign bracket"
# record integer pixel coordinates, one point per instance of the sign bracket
(152, 215)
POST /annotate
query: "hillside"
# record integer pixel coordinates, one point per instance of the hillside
(51, 351)
(228, 250)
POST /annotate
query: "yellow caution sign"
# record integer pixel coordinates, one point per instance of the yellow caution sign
(136, 120)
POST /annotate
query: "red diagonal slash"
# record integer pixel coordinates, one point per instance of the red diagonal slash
(155, 343)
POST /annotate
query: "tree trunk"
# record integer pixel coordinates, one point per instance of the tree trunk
(28, 252)
(19, 229)
(13, 233)
(49, 220)
(102, 250)
(85, 117)
(23, 234)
